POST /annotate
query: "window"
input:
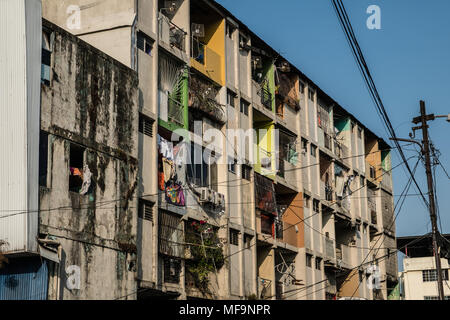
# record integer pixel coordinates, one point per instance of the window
(311, 94)
(232, 165)
(318, 264)
(307, 199)
(309, 260)
(199, 172)
(46, 58)
(313, 150)
(229, 30)
(246, 172)
(248, 241)
(301, 87)
(304, 146)
(146, 125)
(316, 205)
(230, 98)
(234, 237)
(431, 275)
(43, 158)
(76, 164)
(359, 133)
(244, 107)
(146, 210)
(172, 270)
(144, 43)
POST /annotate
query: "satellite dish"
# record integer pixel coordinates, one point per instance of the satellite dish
(198, 30)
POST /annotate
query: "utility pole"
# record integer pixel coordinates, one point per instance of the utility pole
(425, 147)
(426, 152)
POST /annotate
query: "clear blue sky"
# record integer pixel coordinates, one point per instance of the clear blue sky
(409, 59)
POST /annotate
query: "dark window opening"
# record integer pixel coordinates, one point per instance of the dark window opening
(309, 260)
(234, 237)
(46, 58)
(229, 30)
(313, 150)
(318, 263)
(248, 241)
(232, 165)
(172, 270)
(76, 163)
(246, 172)
(316, 206)
(43, 158)
(144, 43)
(244, 107)
(230, 98)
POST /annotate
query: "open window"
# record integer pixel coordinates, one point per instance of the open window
(76, 164)
(46, 57)
(43, 158)
(199, 172)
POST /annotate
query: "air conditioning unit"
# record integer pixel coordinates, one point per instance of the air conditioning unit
(206, 195)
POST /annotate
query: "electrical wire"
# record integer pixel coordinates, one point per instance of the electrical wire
(362, 64)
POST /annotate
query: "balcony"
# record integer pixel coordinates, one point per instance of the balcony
(202, 96)
(286, 232)
(329, 248)
(342, 152)
(206, 60)
(343, 254)
(266, 97)
(171, 34)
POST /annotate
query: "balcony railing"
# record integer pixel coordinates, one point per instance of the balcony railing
(266, 98)
(171, 34)
(198, 51)
(175, 112)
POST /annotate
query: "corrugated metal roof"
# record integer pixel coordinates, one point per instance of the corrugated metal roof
(24, 279)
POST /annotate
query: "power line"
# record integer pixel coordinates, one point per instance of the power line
(361, 62)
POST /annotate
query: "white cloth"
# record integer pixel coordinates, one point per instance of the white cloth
(86, 180)
(165, 148)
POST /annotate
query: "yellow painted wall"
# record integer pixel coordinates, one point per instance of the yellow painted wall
(350, 285)
(265, 142)
(214, 66)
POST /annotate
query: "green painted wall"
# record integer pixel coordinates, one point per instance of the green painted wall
(342, 124)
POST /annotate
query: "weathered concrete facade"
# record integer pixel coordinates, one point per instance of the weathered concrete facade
(293, 217)
(89, 114)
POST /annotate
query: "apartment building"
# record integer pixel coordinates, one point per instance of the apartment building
(79, 118)
(418, 280)
(304, 193)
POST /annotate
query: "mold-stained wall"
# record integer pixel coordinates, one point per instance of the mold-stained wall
(91, 103)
